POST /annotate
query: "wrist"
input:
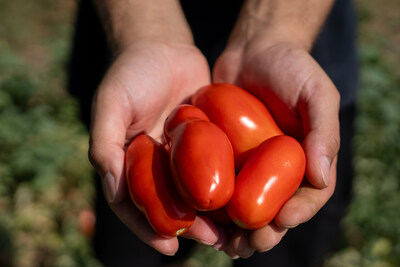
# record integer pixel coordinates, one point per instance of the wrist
(128, 22)
(272, 21)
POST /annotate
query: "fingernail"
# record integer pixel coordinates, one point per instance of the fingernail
(108, 182)
(289, 226)
(205, 242)
(325, 166)
(169, 254)
(265, 250)
(235, 257)
(217, 246)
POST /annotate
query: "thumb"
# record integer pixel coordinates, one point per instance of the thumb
(107, 141)
(108, 137)
(320, 114)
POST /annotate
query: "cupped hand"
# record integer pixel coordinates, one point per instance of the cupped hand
(144, 83)
(305, 104)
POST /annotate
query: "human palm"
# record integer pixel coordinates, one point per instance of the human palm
(305, 104)
(146, 82)
(141, 87)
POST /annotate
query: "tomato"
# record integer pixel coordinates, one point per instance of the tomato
(181, 114)
(151, 188)
(245, 119)
(202, 164)
(267, 180)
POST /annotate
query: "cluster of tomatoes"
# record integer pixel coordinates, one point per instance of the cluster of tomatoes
(229, 162)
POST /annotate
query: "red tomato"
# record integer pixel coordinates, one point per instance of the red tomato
(181, 114)
(151, 188)
(268, 179)
(202, 163)
(244, 118)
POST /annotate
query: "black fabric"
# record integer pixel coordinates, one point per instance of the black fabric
(335, 50)
(90, 58)
(211, 22)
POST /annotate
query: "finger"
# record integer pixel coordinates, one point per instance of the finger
(107, 140)
(305, 203)
(137, 223)
(203, 231)
(223, 237)
(267, 237)
(227, 67)
(319, 109)
(239, 245)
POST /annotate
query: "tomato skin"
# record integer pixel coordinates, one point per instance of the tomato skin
(271, 175)
(243, 117)
(151, 188)
(202, 164)
(180, 114)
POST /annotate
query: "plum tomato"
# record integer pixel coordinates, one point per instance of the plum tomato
(270, 176)
(243, 117)
(202, 164)
(180, 114)
(152, 190)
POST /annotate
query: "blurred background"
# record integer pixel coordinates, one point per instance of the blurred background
(46, 190)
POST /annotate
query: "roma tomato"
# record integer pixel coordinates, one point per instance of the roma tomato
(181, 114)
(268, 179)
(202, 164)
(151, 188)
(245, 119)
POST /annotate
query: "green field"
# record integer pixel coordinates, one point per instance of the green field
(46, 179)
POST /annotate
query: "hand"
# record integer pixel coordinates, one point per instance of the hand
(145, 82)
(305, 104)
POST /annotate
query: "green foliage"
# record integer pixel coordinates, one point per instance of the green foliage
(372, 227)
(206, 256)
(45, 177)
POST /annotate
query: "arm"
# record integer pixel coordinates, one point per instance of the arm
(154, 60)
(273, 21)
(132, 21)
(268, 55)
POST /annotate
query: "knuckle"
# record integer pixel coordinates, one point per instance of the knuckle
(266, 245)
(93, 156)
(336, 96)
(245, 252)
(271, 244)
(334, 144)
(267, 238)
